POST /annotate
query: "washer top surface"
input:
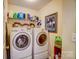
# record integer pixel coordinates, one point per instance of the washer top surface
(21, 29)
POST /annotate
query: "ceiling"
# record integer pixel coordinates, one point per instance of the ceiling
(38, 4)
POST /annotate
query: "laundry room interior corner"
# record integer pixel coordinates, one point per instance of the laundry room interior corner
(38, 29)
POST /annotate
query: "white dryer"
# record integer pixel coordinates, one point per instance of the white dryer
(40, 43)
(21, 43)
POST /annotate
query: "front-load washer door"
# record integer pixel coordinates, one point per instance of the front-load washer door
(21, 41)
(42, 39)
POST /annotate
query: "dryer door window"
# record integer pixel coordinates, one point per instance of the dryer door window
(21, 41)
(42, 39)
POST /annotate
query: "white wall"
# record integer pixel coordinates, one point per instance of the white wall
(69, 27)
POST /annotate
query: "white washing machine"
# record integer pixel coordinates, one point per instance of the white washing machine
(21, 43)
(40, 43)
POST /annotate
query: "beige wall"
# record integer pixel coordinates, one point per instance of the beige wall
(50, 8)
(14, 8)
(69, 27)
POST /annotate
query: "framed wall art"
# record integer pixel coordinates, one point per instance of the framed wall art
(51, 22)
